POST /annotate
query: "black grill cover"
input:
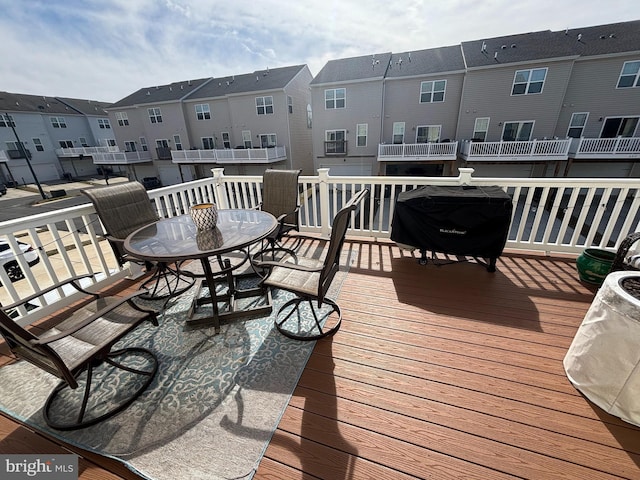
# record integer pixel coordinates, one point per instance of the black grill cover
(457, 220)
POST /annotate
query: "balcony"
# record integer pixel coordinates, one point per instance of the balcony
(436, 368)
(335, 147)
(121, 158)
(417, 152)
(620, 148)
(530, 151)
(84, 151)
(230, 156)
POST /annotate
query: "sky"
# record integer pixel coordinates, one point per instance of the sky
(107, 49)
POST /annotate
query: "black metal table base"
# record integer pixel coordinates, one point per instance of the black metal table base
(165, 282)
(231, 311)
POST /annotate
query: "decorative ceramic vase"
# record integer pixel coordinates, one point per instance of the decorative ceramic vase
(594, 264)
(204, 215)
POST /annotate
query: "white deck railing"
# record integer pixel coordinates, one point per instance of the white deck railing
(534, 150)
(121, 158)
(230, 155)
(608, 148)
(417, 151)
(74, 152)
(549, 214)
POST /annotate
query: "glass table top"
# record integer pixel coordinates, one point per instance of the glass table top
(178, 238)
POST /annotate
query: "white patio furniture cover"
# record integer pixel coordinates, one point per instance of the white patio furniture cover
(603, 361)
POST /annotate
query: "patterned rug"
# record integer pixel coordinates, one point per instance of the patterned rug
(211, 409)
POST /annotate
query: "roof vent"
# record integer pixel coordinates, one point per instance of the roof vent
(612, 35)
(409, 55)
(148, 92)
(579, 37)
(503, 47)
(484, 47)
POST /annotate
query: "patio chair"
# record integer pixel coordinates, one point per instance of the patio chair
(80, 343)
(623, 260)
(310, 280)
(280, 197)
(124, 208)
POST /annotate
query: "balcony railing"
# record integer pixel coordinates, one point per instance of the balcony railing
(531, 151)
(335, 147)
(407, 152)
(84, 151)
(549, 214)
(229, 156)
(121, 158)
(605, 148)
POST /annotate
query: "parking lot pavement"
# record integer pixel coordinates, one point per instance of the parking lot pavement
(62, 188)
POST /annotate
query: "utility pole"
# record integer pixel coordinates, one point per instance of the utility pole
(26, 155)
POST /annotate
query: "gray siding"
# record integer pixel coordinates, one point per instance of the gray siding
(487, 93)
(592, 89)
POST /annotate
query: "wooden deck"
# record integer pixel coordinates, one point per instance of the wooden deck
(437, 372)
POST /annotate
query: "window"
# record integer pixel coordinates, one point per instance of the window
(362, 130)
(37, 144)
(335, 98)
(122, 118)
(83, 141)
(143, 144)
(103, 123)
(432, 92)
(268, 140)
(66, 144)
(162, 143)
(246, 139)
(264, 105)
(58, 122)
(177, 142)
(203, 112)
(526, 82)
(517, 131)
(480, 129)
(162, 149)
(155, 115)
(398, 132)
(577, 124)
(111, 142)
(226, 140)
(6, 120)
(208, 143)
(335, 143)
(630, 75)
(130, 146)
(619, 127)
(428, 133)
(290, 103)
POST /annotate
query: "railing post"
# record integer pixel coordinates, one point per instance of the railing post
(323, 185)
(465, 178)
(219, 191)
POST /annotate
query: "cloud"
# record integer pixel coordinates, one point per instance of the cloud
(106, 50)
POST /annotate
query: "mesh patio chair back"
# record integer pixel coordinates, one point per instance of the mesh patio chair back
(122, 208)
(280, 197)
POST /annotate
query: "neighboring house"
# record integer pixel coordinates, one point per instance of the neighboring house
(511, 106)
(45, 125)
(347, 105)
(245, 123)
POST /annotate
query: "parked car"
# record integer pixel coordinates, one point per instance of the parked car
(10, 264)
(3, 189)
(151, 182)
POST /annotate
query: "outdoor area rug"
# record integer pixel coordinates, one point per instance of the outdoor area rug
(211, 409)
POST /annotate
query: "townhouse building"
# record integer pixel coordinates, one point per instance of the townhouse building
(534, 104)
(47, 127)
(245, 123)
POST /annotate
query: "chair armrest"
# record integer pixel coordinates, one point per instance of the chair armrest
(291, 266)
(72, 281)
(91, 319)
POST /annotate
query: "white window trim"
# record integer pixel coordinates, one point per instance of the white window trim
(205, 111)
(433, 82)
(335, 90)
(439, 127)
(636, 80)
(366, 134)
(504, 125)
(526, 90)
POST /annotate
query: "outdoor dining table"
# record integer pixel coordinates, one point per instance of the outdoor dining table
(177, 239)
